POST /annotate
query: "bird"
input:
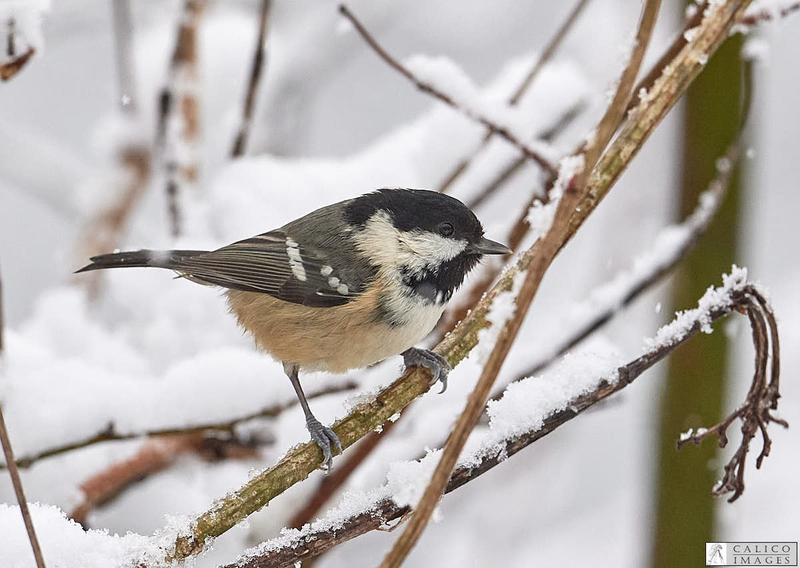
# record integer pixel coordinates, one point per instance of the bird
(343, 287)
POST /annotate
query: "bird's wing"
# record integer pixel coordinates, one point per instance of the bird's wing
(274, 264)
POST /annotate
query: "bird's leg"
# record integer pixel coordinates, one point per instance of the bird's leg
(320, 434)
(435, 363)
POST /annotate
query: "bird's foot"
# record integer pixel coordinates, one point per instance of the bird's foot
(323, 437)
(435, 363)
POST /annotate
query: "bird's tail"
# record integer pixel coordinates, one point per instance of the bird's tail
(172, 259)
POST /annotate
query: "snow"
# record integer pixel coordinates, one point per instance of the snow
(755, 49)
(713, 299)
(540, 216)
(65, 544)
(446, 77)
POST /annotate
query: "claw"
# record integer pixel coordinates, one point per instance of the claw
(323, 436)
(435, 363)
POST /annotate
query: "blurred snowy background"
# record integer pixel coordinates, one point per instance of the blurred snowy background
(333, 121)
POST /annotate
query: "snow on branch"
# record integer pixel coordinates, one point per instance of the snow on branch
(113, 432)
(671, 246)
(533, 408)
(444, 80)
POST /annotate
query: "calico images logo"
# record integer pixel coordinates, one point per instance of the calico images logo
(751, 554)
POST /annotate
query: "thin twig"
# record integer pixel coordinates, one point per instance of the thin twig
(259, 59)
(515, 165)
(425, 87)
(693, 228)
(300, 462)
(109, 435)
(754, 413)
(155, 455)
(767, 15)
(16, 61)
(8, 452)
(514, 99)
(313, 542)
(182, 86)
(548, 247)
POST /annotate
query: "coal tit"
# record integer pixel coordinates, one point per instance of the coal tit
(343, 287)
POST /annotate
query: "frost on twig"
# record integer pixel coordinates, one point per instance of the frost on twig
(528, 411)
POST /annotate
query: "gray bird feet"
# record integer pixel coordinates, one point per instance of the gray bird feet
(323, 437)
(435, 363)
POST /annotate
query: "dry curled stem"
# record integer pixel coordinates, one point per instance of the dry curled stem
(755, 413)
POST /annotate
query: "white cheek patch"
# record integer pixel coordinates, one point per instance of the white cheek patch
(415, 250)
(295, 260)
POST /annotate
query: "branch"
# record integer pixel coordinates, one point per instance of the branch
(514, 166)
(182, 84)
(426, 87)
(155, 455)
(259, 58)
(337, 528)
(754, 413)
(14, 61)
(300, 462)
(109, 433)
(547, 247)
(671, 247)
(547, 54)
(8, 452)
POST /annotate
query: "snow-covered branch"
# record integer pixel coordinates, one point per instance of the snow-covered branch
(442, 79)
(113, 433)
(513, 100)
(528, 411)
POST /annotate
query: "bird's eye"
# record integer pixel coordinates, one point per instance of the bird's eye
(445, 229)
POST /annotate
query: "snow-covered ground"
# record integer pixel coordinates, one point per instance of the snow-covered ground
(333, 122)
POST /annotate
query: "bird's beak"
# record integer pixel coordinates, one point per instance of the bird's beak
(487, 246)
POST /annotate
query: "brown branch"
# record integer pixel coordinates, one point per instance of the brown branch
(515, 165)
(259, 58)
(425, 87)
(103, 232)
(154, 456)
(695, 226)
(109, 435)
(181, 77)
(547, 54)
(8, 452)
(548, 247)
(768, 15)
(16, 60)
(313, 542)
(754, 413)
